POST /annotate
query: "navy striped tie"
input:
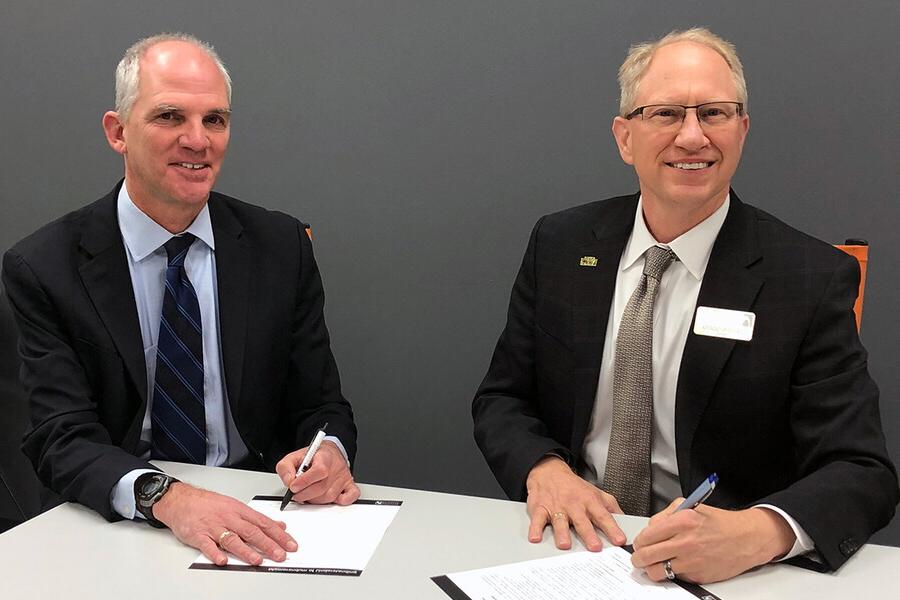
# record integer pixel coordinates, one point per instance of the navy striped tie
(178, 417)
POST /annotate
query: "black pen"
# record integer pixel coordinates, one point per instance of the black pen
(700, 495)
(307, 461)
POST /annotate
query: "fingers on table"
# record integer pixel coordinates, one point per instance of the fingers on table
(210, 549)
(583, 519)
(235, 544)
(253, 537)
(584, 527)
(561, 532)
(540, 518)
(603, 519)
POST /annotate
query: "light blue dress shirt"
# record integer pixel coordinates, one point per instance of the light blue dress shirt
(144, 239)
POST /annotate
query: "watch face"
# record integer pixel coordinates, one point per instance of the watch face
(151, 489)
(151, 486)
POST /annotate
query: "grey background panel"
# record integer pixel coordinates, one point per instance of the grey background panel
(423, 138)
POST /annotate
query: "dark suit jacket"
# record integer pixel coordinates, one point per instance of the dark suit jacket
(83, 362)
(790, 418)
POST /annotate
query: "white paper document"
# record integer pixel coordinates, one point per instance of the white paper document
(332, 539)
(607, 574)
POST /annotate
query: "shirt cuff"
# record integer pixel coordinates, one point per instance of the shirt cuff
(340, 446)
(803, 543)
(121, 496)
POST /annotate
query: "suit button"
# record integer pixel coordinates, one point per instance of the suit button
(848, 547)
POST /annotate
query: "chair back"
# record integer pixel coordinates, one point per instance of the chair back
(858, 249)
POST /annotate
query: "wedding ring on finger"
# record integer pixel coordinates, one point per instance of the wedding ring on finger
(223, 537)
(670, 574)
(560, 515)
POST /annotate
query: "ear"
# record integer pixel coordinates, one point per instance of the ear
(114, 129)
(745, 127)
(621, 130)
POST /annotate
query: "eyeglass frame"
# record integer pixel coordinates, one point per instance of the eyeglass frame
(640, 109)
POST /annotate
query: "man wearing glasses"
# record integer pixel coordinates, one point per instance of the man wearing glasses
(657, 338)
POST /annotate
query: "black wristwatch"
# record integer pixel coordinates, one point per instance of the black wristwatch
(149, 488)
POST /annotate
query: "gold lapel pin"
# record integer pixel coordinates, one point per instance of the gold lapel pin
(588, 261)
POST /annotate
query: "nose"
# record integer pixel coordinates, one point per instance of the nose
(690, 134)
(193, 137)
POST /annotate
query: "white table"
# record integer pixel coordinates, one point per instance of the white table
(71, 552)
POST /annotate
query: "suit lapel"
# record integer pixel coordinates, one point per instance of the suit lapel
(232, 277)
(593, 289)
(727, 283)
(104, 273)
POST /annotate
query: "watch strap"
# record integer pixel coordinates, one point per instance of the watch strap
(144, 504)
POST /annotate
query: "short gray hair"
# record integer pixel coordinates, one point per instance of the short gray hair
(639, 56)
(128, 70)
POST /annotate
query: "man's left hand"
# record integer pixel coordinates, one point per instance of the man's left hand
(327, 480)
(708, 544)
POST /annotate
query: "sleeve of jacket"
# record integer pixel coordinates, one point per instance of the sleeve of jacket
(314, 378)
(509, 429)
(847, 485)
(70, 448)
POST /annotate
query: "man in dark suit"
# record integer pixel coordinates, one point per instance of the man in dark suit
(168, 321)
(750, 365)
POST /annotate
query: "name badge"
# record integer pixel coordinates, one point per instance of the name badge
(724, 323)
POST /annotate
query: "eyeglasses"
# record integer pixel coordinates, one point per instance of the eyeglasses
(710, 114)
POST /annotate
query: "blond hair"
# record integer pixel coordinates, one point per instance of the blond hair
(639, 56)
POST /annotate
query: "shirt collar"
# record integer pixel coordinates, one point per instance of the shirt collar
(692, 247)
(143, 236)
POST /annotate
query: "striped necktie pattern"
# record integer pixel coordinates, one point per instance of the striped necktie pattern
(178, 416)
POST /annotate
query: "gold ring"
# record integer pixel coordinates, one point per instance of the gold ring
(560, 515)
(224, 536)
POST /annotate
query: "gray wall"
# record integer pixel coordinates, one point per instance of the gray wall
(422, 139)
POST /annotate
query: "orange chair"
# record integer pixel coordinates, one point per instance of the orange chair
(858, 249)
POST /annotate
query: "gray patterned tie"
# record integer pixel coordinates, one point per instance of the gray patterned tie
(628, 464)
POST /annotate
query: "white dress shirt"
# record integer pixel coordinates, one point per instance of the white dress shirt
(673, 312)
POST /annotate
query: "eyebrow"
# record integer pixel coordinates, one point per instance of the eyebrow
(173, 108)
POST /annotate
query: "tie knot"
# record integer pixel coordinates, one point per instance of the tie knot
(656, 261)
(177, 248)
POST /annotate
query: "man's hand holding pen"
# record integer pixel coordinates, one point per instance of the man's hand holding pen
(328, 478)
(707, 544)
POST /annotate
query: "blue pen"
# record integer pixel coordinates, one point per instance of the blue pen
(700, 495)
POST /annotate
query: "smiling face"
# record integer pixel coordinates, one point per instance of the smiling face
(685, 170)
(176, 134)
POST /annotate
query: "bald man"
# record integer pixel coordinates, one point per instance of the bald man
(167, 321)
